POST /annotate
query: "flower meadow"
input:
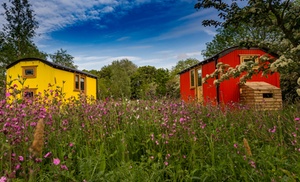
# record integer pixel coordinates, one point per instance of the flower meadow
(60, 139)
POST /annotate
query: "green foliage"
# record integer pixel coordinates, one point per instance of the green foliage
(279, 18)
(61, 57)
(148, 140)
(232, 35)
(17, 34)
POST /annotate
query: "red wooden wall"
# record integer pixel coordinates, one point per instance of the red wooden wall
(209, 89)
(185, 91)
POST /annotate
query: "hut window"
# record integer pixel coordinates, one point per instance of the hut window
(79, 83)
(192, 78)
(249, 57)
(76, 82)
(267, 95)
(82, 83)
(199, 77)
(29, 71)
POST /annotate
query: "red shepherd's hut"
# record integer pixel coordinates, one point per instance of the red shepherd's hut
(191, 86)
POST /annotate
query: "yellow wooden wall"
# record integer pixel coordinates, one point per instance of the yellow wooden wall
(46, 75)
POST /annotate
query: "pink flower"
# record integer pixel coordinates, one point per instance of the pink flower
(56, 161)
(235, 145)
(21, 158)
(297, 119)
(272, 130)
(3, 179)
(47, 155)
(166, 163)
(64, 167)
(7, 94)
(18, 166)
(71, 144)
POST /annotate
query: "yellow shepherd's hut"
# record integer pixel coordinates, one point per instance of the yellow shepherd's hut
(39, 74)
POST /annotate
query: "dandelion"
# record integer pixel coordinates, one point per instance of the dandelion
(38, 141)
(247, 147)
(56, 161)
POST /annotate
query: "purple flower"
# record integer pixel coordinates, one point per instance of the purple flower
(64, 167)
(272, 130)
(3, 179)
(21, 158)
(18, 166)
(7, 94)
(47, 155)
(71, 144)
(56, 161)
(297, 119)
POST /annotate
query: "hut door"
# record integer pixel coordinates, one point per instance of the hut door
(199, 89)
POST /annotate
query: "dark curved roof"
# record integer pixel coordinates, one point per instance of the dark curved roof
(54, 65)
(221, 54)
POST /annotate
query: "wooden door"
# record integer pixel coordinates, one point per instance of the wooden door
(199, 89)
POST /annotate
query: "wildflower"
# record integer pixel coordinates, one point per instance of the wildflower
(21, 158)
(18, 166)
(272, 130)
(166, 163)
(71, 145)
(235, 145)
(297, 119)
(247, 147)
(47, 155)
(38, 142)
(184, 156)
(56, 161)
(252, 163)
(38, 160)
(3, 179)
(152, 157)
(7, 94)
(64, 167)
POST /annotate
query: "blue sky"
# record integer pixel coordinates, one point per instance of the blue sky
(147, 32)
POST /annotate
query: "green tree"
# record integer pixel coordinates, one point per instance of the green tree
(20, 29)
(142, 82)
(162, 77)
(115, 79)
(173, 87)
(61, 57)
(275, 16)
(232, 36)
(17, 34)
(181, 65)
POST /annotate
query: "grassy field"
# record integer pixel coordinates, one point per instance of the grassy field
(157, 140)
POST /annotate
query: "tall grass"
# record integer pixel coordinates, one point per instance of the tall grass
(154, 140)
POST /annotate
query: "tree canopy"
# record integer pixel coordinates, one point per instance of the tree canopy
(63, 58)
(281, 17)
